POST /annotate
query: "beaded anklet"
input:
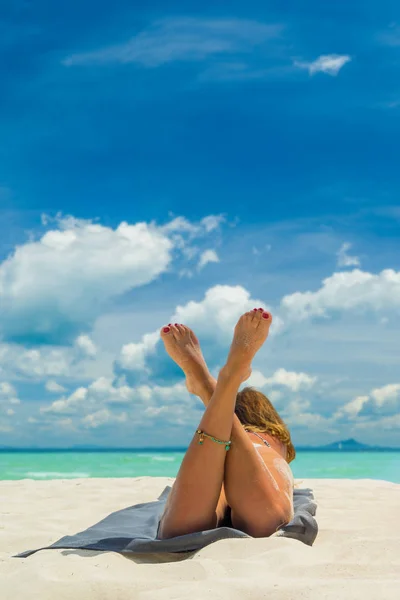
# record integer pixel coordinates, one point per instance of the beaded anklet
(203, 435)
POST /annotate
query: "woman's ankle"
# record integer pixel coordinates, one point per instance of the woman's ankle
(236, 373)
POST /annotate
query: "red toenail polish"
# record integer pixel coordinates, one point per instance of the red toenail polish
(166, 329)
(261, 309)
(265, 315)
(176, 323)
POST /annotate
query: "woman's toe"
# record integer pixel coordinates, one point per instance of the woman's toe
(257, 315)
(165, 331)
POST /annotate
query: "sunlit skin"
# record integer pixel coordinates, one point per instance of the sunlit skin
(253, 480)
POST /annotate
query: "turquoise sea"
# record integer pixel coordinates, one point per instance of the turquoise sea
(42, 465)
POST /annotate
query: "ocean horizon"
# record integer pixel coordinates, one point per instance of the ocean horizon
(70, 463)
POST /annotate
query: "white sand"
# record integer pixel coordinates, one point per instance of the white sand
(356, 554)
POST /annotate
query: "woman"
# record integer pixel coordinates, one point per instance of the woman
(236, 465)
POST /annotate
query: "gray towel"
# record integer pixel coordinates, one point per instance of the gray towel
(134, 530)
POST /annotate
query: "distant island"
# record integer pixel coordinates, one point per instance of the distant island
(350, 445)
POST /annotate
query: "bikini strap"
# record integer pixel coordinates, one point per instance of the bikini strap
(260, 437)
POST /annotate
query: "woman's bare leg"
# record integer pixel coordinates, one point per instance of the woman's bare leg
(193, 500)
(240, 490)
(251, 490)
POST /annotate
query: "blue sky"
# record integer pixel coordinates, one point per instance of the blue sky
(193, 162)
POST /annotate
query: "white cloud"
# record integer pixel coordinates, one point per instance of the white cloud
(6, 389)
(186, 273)
(181, 39)
(103, 417)
(212, 222)
(380, 401)
(208, 256)
(67, 405)
(344, 259)
(53, 386)
(102, 391)
(10, 412)
(203, 227)
(86, 345)
(347, 290)
(290, 379)
(35, 363)
(297, 414)
(384, 423)
(8, 394)
(95, 406)
(56, 286)
(133, 355)
(326, 63)
(385, 394)
(275, 396)
(353, 408)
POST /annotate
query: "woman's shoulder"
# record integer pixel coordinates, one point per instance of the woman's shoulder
(276, 444)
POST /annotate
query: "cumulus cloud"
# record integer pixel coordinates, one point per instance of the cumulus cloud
(384, 423)
(290, 379)
(352, 409)
(34, 363)
(383, 401)
(299, 414)
(86, 346)
(67, 405)
(8, 398)
(208, 256)
(103, 417)
(133, 356)
(386, 393)
(326, 63)
(53, 289)
(8, 393)
(6, 389)
(109, 401)
(346, 291)
(54, 387)
(181, 39)
(344, 259)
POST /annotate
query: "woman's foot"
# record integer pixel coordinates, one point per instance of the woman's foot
(250, 333)
(183, 347)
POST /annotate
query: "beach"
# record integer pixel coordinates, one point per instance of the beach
(356, 554)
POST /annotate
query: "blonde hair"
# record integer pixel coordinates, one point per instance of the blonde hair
(256, 413)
